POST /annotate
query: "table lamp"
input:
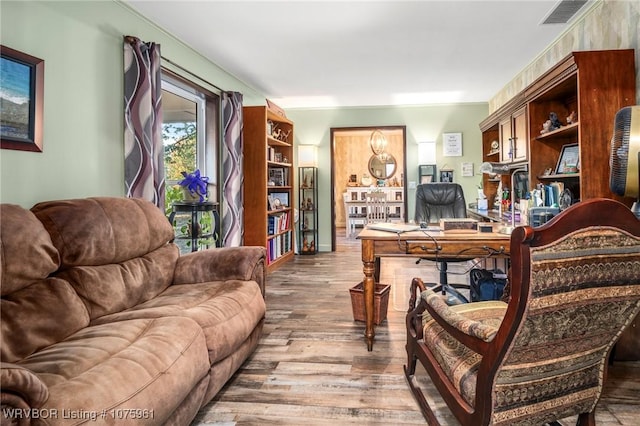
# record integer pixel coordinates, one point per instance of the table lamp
(506, 169)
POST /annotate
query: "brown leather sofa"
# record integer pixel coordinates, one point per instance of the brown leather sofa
(104, 322)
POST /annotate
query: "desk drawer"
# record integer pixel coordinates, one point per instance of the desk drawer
(456, 249)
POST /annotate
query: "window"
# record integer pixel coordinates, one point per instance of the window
(190, 117)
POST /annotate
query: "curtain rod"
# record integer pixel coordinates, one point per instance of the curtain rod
(191, 73)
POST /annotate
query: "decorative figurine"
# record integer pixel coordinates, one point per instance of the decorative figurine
(545, 127)
(555, 123)
(572, 118)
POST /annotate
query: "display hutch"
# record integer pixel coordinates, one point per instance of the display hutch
(268, 180)
(308, 221)
(584, 90)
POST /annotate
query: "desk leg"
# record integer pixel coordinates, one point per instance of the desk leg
(368, 261)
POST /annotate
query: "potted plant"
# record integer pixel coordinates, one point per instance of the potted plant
(194, 186)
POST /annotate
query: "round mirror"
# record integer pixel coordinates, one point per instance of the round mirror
(382, 166)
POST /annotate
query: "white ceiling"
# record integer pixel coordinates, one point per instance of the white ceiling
(363, 53)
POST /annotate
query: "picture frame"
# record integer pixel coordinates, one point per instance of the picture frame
(427, 173)
(22, 78)
(277, 176)
(446, 176)
(283, 197)
(452, 144)
(467, 169)
(569, 159)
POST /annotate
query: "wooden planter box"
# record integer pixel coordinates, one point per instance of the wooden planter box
(380, 302)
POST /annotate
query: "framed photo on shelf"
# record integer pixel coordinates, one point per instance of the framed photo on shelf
(427, 173)
(446, 175)
(276, 175)
(569, 160)
(280, 199)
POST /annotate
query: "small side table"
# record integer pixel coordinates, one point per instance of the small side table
(191, 222)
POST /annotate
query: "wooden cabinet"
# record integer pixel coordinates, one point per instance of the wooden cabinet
(514, 137)
(591, 87)
(268, 183)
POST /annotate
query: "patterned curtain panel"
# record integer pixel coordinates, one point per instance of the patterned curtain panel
(232, 172)
(143, 150)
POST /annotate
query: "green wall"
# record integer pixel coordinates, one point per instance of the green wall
(426, 123)
(81, 43)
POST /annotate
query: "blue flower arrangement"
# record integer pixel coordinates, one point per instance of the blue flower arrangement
(195, 184)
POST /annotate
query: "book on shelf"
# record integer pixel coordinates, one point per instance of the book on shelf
(278, 222)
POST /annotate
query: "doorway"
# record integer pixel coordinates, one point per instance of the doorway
(356, 166)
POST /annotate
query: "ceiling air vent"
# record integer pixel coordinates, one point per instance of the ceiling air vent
(564, 11)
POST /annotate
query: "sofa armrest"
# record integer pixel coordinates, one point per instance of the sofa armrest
(21, 390)
(245, 263)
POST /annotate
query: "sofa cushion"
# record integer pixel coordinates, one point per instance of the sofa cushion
(227, 311)
(115, 251)
(135, 372)
(112, 288)
(26, 251)
(103, 230)
(37, 316)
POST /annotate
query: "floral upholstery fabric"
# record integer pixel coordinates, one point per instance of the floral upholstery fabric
(584, 288)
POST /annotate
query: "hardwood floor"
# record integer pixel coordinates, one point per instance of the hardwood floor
(312, 366)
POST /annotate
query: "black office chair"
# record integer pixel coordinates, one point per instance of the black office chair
(435, 201)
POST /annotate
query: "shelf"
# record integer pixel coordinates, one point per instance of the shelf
(286, 209)
(273, 141)
(563, 132)
(275, 163)
(560, 176)
(272, 236)
(492, 153)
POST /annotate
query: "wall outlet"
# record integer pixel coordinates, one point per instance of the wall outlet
(412, 184)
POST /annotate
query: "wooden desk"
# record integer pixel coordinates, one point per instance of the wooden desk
(429, 245)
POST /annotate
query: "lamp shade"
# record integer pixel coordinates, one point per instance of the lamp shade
(307, 156)
(378, 142)
(427, 152)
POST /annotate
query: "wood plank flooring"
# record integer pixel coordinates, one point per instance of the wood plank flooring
(312, 366)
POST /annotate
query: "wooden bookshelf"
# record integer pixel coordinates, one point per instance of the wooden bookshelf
(268, 183)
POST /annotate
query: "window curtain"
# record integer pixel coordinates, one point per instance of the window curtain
(143, 149)
(232, 170)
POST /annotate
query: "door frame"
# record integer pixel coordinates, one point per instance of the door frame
(333, 130)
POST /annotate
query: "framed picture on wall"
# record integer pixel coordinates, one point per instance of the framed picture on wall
(452, 144)
(446, 176)
(22, 78)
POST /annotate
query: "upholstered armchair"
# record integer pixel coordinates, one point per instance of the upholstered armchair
(541, 356)
(435, 201)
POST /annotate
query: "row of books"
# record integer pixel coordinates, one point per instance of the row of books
(278, 223)
(277, 246)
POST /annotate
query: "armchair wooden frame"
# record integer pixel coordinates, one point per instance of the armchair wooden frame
(497, 344)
